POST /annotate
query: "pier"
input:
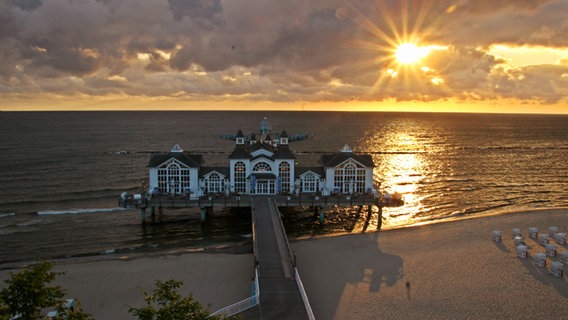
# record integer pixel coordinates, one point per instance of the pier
(262, 174)
(282, 297)
(319, 203)
(278, 293)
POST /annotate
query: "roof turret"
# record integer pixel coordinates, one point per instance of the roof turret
(240, 137)
(265, 126)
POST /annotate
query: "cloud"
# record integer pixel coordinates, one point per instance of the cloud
(276, 50)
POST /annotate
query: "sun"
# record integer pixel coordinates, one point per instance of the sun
(409, 53)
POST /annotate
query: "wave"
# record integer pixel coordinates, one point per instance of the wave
(7, 214)
(80, 211)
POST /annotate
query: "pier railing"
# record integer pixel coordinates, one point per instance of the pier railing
(282, 200)
(291, 254)
(307, 304)
(243, 305)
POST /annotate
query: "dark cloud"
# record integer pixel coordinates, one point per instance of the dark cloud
(25, 4)
(275, 50)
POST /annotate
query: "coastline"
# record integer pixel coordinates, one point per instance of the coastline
(452, 269)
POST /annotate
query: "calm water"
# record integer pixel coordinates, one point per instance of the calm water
(60, 173)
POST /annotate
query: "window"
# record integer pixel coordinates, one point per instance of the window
(214, 183)
(349, 179)
(284, 174)
(262, 167)
(240, 177)
(173, 178)
(309, 183)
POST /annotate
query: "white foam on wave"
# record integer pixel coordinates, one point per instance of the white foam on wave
(7, 214)
(80, 211)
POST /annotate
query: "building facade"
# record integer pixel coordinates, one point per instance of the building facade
(260, 166)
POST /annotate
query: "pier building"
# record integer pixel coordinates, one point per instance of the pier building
(262, 174)
(259, 165)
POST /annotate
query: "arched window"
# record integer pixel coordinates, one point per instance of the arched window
(310, 183)
(284, 174)
(262, 167)
(349, 179)
(240, 177)
(173, 178)
(215, 184)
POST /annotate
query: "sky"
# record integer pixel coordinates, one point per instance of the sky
(360, 55)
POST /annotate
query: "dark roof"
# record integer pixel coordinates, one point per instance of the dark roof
(263, 156)
(240, 134)
(262, 145)
(332, 160)
(301, 170)
(284, 152)
(190, 160)
(222, 170)
(240, 152)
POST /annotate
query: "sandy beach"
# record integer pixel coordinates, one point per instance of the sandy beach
(444, 271)
(439, 271)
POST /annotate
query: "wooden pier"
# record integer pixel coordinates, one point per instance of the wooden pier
(281, 297)
(319, 203)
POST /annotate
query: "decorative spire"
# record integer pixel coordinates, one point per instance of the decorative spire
(176, 148)
(346, 148)
(240, 137)
(265, 127)
(284, 137)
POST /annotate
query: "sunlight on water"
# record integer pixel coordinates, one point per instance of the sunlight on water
(402, 164)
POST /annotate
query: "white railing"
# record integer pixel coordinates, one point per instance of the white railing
(243, 305)
(291, 255)
(304, 295)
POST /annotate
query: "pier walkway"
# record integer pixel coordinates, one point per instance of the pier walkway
(280, 296)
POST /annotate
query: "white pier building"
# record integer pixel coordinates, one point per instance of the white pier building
(260, 165)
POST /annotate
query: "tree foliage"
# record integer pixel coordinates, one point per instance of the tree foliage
(166, 303)
(28, 294)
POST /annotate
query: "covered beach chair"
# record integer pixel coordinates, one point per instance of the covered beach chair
(522, 251)
(563, 257)
(557, 269)
(540, 259)
(496, 236)
(551, 250)
(533, 232)
(560, 237)
(543, 239)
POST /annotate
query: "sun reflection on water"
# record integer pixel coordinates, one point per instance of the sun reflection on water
(402, 163)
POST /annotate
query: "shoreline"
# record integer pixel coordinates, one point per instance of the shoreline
(452, 268)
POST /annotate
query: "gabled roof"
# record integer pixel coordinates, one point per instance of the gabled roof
(190, 160)
(284, 152)
(317, 170)
(332, 160)
(240, 152)
(222, 170)
(261, 156)
(262, 145)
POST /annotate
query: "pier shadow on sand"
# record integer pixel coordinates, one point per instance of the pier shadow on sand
(348, 270)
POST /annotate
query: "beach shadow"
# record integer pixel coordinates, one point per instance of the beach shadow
(545, 278)
(387, 268)
(359, 267)
(502, 247)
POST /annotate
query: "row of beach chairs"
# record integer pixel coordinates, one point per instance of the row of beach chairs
(543, 239)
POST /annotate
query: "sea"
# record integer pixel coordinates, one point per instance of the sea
(61, 174)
